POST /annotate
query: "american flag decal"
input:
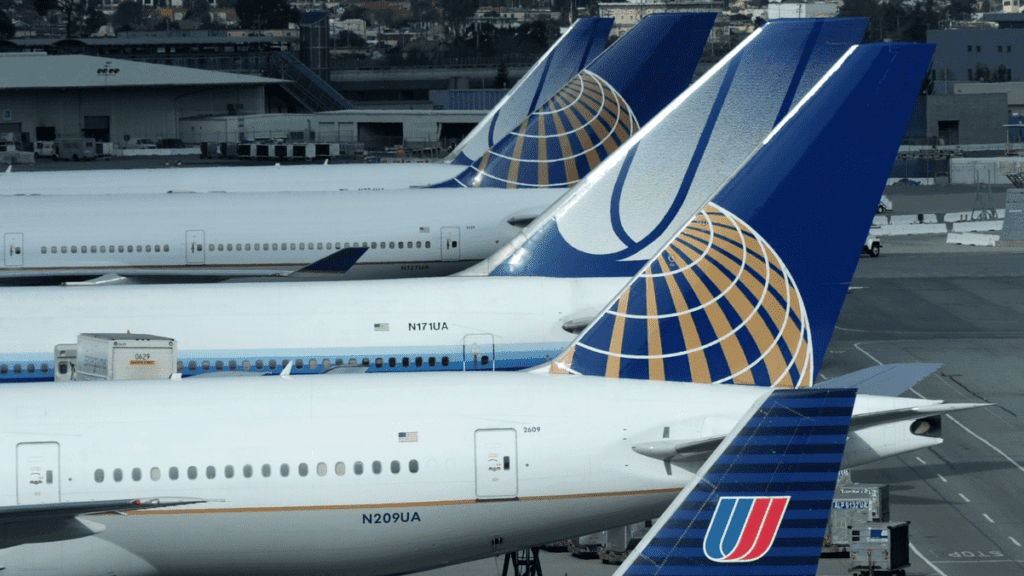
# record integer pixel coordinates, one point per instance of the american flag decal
(383, 327)
(408, 437)
(425, 229)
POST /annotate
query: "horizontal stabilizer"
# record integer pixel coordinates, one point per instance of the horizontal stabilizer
(340, 261)
(884, 380)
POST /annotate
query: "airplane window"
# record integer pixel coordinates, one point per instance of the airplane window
(444, 361)
(211, 248)
(303, 469)
(31, 368)
(45, 368)
(131, 249)
(248, 247)
(392, 245)
(168, 248)
(339, 468)
(156, 248)
(284, 470)
(484, 360)
(273, 364)
(321, 469)
(376, 466)
(246, 365)
(259, 364)
(120, 249)
(364, 244)
(327, 363)
(98, 475)
(43, 249)
(147, 248)
(3, 368)
(172, 472)
(426, 244)
(118, 476)
(220, 247)
(391, 362)
(211, 472)
(230, 248)
(312, 364)
(93, 250)
(255, 247)
(181, 366)
(192, 473)
(83, 249)
(373, 245)
(138, 248)
(53, 249)
(419, 361)
(346, 245)
(206, 365)
(366, 361)
(298, 363)
(220, 365)
(414, 466)
(302, 245)
(432, 362)
(247, 470)
(358, 468)
(266, 470)
(379, 362)
(199, 247)
(232, 365)
(63, 249)
(238, 247)
(419, 244)
(320, 246)
(337, 246)
(395, 467)
(401, 244)
(267, 246)
(17, 368)
(229, 471)
(352, 362)
(293, 245)
(74, 249)
(154, 474)
(274, 246)
(405, 362)
(103, 249)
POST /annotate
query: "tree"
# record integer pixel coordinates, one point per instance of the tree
(264, 14)
(79, 15)
(128, 16)
(455, 14)
(501, 79)
(199, 11)
(7, 29)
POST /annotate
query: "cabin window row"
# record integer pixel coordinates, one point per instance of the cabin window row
(266, 246)
(314, 364)
(44, 368)
(105, 249)
(248, 471)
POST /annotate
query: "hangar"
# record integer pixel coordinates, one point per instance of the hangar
(43, 97)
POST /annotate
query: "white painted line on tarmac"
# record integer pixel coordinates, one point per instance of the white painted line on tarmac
(941, 477)
(989, 518)
(954, 420)
(929, 562)
(966, 499)
(1012, 539)
(920, 460)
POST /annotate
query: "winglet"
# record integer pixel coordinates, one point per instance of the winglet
(339, 261)
(761, 502)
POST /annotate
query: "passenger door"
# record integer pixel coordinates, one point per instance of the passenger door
(38, 473)
(478, 352)
(497, 474)
(194, 240)
(13, 249)
(450, 250)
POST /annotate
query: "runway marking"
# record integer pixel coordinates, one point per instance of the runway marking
(966, 499)
(1012, 539)
(920, 460)
(952, 419)
(989, 518)
(975, 561)
(941, 477)
(927, 561)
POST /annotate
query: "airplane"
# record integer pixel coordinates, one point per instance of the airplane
(404, 233)
(515, 322)
(390, 474)
(576, 48)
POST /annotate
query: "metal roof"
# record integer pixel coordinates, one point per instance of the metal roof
(33, 70)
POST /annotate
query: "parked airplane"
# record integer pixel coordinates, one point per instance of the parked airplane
(391, 474)
(566, 57)
(798, 212)
(427, 232)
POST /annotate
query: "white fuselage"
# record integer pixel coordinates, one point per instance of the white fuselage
(392, 325)
(374, 474)
(419, 232)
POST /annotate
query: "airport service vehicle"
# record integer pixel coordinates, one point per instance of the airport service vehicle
(502, 322)
(71, 148)
(872, 246)
(44, 149)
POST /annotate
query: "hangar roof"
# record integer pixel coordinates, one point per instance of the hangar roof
(33, 70)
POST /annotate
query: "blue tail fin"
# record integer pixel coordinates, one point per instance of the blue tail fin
(597, 110)
(624, 212)
(571, 53)
(749, 291)
(761, 502)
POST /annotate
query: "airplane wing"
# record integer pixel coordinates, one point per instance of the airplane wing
(759, 505)
(884, 380)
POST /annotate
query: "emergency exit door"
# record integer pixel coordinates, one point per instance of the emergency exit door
(38, 473)
(497, 473)
(450, 249)
(13, 249)
(194, 240)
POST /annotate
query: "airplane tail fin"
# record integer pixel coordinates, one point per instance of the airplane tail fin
(577, 48)
(749, 291)
(569, 134)
(760, 503)
(620, 215)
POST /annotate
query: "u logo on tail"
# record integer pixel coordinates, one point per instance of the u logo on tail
(743, 528)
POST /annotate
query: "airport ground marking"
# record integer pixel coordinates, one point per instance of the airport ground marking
(1012, 539)
(926, 561)
(952, 419)
(966, 499)
(920, 460)
(989, 518)
(941, 477)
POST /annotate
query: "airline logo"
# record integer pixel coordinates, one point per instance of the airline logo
(743, 528)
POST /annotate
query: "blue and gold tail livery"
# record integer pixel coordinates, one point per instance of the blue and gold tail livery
(620, 216)
(593, 113)
(761, 502)
(749, 291)
(577, 48)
